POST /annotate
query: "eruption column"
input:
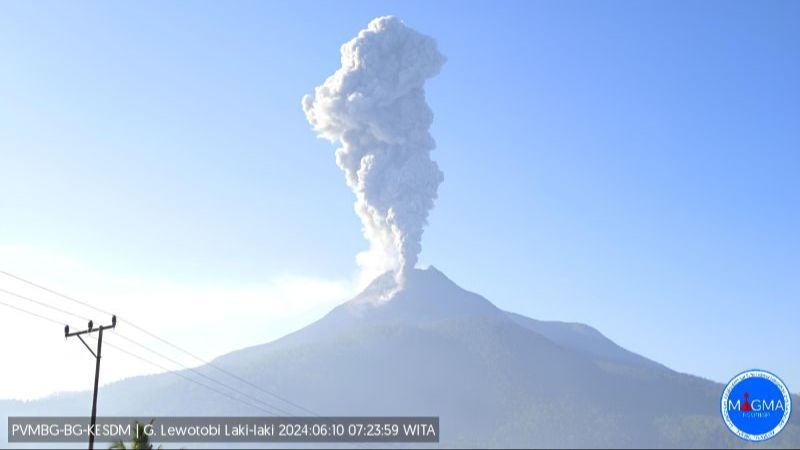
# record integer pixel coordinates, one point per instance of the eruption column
(374, 107)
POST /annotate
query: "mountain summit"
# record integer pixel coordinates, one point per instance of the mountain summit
(495, 379)
(428, 296)
(425, 296)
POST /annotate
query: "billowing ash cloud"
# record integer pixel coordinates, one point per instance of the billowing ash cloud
(374, 106)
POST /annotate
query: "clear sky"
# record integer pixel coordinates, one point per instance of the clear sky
(630, 165)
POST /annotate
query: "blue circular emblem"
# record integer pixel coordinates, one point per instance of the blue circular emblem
(756, 405)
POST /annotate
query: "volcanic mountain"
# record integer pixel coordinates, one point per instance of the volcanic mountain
(495, 378)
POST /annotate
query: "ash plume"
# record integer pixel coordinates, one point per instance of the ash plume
(374, 107)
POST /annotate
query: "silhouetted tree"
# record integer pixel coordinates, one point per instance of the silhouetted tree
(141, 441)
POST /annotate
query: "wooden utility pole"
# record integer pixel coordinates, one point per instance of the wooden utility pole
(96, 355)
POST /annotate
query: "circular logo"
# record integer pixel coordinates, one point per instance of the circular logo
(756, 405)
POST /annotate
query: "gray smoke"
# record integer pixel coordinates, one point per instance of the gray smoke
(374, 106)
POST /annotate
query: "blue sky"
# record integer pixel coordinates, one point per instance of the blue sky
(630, 165)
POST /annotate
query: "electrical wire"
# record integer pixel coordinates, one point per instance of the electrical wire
(357, 444)
(220, 369)
(159, 338)
(276, 410)
(179, 374)
(253, 405)
(40, 303)
(30, 312)
(54, 292)
(271, 409)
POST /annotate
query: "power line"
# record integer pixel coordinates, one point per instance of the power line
(39, 316)
(230, 374)
(275, 410)
(176, 373)
(361, 445)
(133, 325)
(30, 312)
(388, 444)
(54, 308)
(54, 292)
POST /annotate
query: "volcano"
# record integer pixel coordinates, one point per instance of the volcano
(431, 348)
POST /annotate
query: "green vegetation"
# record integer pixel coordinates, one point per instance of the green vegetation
(141, 441)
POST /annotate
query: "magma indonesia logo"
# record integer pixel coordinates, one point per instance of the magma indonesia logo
(756, 405)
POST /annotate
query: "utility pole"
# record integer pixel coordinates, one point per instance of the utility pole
(99, 330)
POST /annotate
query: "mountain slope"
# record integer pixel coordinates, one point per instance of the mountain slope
(496, 379)
(583, 338)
